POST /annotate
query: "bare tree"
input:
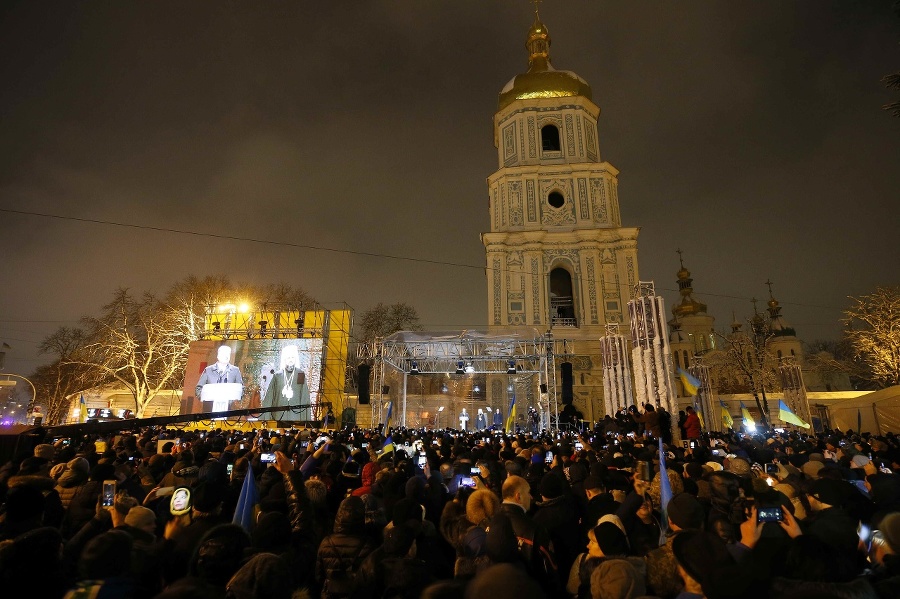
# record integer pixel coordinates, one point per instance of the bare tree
(54, 383)
(872, 326)
(138, 343)
(746, 364)
(384, 320)
(141, 343)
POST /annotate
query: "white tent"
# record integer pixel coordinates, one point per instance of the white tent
(877, 412)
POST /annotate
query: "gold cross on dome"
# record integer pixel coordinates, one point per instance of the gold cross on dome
(678, 251)
(769, 284)
(535, 2)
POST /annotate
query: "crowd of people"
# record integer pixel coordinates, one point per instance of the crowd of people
(443, 513)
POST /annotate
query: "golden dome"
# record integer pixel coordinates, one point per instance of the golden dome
(689, 306)
(542, 80)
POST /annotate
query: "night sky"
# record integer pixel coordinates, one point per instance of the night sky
(749, 134)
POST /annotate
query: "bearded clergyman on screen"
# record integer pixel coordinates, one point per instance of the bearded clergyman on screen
(288, 387)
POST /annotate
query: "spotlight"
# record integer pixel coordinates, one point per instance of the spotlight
(476, 389)
(262, 327)
(459, 367)
(217, 326)
(444, 388)
(511, 367)
(299, 323)
(414, 368)
(470, 369)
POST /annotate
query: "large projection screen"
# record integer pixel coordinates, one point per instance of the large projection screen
(275, 372)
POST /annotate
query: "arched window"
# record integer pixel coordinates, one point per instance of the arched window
(686, 362)
(677, 360)
(550, 138)
(562, 298)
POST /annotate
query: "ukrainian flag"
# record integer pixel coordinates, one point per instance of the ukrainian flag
(247, 509)
(388, 445)
(389, 418)
(745, 415)
(726, 416)
(699, 414)
(785, 414)
(82, 410)
(690, 383)
(511, 418)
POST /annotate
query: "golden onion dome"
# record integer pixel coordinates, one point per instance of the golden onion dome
(684, 273)
(542, 80)
(688, 307)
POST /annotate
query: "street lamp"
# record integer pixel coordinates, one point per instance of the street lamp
(9, 383)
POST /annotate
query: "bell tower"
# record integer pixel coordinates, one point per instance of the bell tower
(558, 257)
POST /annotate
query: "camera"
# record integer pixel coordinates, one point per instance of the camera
(267, 458)
(770, 514)
(467, 481)
(476, 470)
(771, 468)
(644, 471)
(109, 493)
(548, 457)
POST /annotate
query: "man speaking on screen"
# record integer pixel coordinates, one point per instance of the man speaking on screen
(288, 387)
(220, 373)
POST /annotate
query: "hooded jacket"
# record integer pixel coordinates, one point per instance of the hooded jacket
(349, 545)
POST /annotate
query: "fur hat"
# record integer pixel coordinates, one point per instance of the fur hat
(552, 486)
(811, 469)
(141, 517)
(739, 466)
(481, 506)
(45, 451)
(686, 512)
(611, 539)
(829, 491)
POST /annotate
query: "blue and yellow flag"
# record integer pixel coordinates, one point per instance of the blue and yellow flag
(699, 414)
(747, 418)
(665, 495)
(388, 445)
(247, 509)
(511, 417)
(389, 417)
(82, 410)
(690, 383)
(785, 415)
(726, 416)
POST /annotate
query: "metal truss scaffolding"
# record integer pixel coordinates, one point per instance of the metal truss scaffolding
(523, 370)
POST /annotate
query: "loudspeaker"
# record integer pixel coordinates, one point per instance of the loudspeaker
(362, 383)
(385, 389)
(567, 382)
(543, 388)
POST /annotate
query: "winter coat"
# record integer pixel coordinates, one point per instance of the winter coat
(81, 502)
(53, 508)
(559, 517)
(348, 546)
(534, 546)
